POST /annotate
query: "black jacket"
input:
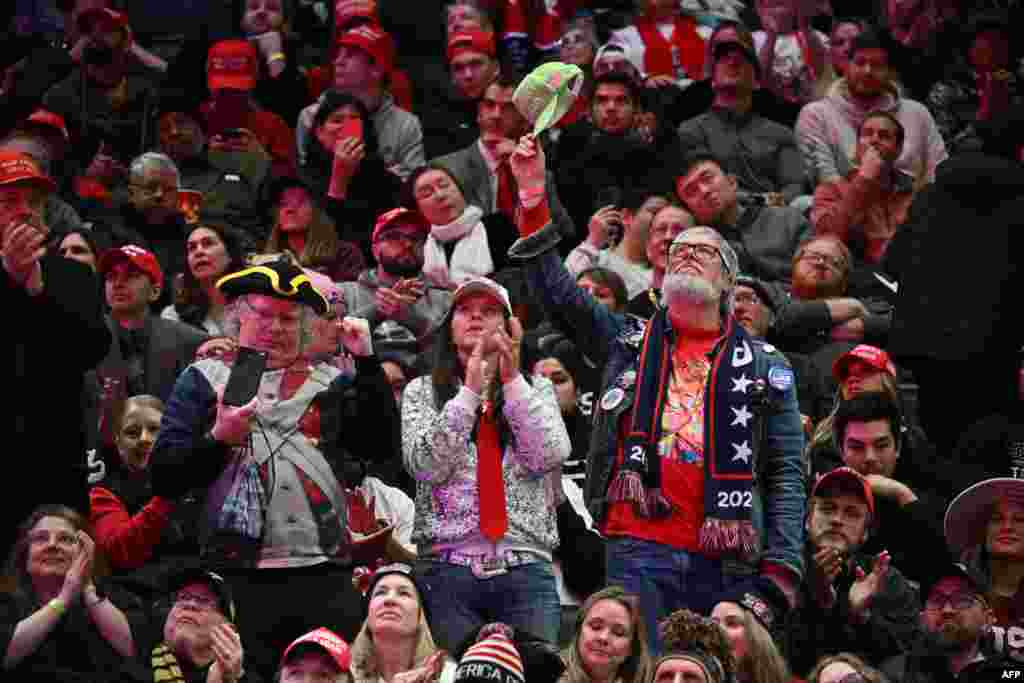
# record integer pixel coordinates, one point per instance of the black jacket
(51, 341)
(812, 632)
(956, 261)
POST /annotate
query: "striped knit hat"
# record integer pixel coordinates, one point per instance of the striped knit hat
(492, 658)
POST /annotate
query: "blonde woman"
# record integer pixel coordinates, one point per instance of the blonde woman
(610, 645)
(395, 644)
(746, 618)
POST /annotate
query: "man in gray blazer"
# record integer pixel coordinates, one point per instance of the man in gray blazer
(481, 168)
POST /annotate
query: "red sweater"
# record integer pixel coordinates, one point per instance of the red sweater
(127, 540)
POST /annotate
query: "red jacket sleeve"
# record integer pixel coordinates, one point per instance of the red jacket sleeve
(127, 540)
(841, 205)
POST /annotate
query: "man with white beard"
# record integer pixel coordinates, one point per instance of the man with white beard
(694, 463)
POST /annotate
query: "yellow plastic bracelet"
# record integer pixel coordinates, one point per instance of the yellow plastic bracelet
(57, 605)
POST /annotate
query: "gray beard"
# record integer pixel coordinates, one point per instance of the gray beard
(687, 289)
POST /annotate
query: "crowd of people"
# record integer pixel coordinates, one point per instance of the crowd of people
(337, 365)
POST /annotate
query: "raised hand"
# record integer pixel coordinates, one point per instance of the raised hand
(508, 345)
(80, 574)
(227, 655)
(866, 586)
(528, 163)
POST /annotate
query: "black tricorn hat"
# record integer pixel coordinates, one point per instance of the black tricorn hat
(278, 279)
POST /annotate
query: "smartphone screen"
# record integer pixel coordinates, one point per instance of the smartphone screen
(352, 128)
(246, 374)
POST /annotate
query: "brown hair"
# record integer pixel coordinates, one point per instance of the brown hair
(17, 562)
(322, 244)
(636, 668)
(870, 675)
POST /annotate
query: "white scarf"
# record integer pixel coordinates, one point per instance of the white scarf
(472, 254)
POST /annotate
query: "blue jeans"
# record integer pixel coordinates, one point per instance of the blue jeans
(664, 578)
(458, 603)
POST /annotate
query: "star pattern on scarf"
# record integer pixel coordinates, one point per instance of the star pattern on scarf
(741, 416)
(743, 452)
(741, 384)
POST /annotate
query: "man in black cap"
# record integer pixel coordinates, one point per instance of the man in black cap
(955, 619)
(275, 468)
(200, 640)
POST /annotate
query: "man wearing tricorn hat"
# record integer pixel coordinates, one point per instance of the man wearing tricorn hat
(274, 468)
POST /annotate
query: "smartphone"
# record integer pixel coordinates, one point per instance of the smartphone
(352, 128)
(611, 196)
(246, 373)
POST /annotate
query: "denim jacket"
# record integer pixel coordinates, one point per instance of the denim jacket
(612, 340)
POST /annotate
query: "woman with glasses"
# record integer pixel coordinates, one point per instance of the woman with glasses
(54, 623)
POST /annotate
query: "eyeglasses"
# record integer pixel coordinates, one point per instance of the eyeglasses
(155, 189)
(197, 599)
(63, 538)
(817, 257)
(935, 603)
(704, 253)
(289, 320)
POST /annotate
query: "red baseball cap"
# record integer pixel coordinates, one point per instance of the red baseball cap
(329, 642)
(113, 18)
(137, 256)
(402, 216)
(232, 65)
(48, 119)
(372, 40)
(471, 41)
(852, 478)
(16, 167)
(872, 355)
(345, 11)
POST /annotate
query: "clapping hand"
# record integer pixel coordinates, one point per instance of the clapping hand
(866, 586)
(227, 654)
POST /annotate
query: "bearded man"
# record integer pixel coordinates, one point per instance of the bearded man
(690, 473)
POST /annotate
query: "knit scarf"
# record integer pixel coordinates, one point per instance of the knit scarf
(165, 665)
(728, 421)
(664, 58)
(472, 254)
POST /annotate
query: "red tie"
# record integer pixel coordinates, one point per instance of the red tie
(490, 484)
(506, 202)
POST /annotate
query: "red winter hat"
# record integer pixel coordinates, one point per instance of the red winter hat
(401, 216)
(135, 255)
(329, 642)
(471, 41)
(16, 167)
(872, 355)
(89, 17)
(232, 65)
(47, 119)
(345, 11)
(373, 41)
